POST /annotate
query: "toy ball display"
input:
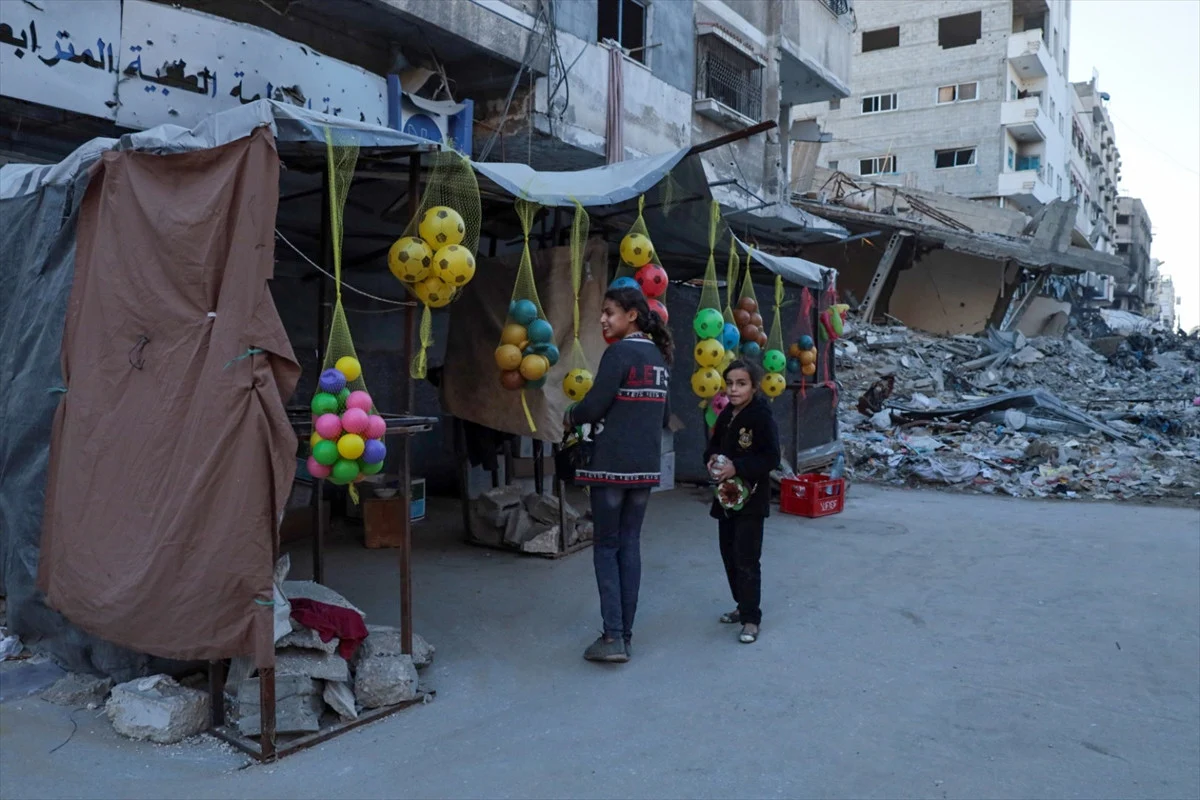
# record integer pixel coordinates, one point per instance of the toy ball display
(806, 342)
(441, 226)
(719, 401)
(434, 292)
(636, 250)
(751, 349)
(332, 381)
(706, 382)
(577, 383)
(522, 312)
(625, 282)
(708, 323)
(658, 308)
(652, 279)
(709, 352)
(730, 337)
(741, 317)
(773, 384)
(793, 365)
(750, 333)
(774, 361)
(342, 397)
(409, 259)
(349, 366)
(454, 265)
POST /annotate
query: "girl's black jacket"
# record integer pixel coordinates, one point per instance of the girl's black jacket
(751, 442)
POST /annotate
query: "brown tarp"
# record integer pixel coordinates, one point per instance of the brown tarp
(471, 385)
(171, 455)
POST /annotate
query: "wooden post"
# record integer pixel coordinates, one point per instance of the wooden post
(406, 594)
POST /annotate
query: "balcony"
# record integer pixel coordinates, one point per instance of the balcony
(1025, 119)
(815, 50)
(1027, 189)
(1030, 55)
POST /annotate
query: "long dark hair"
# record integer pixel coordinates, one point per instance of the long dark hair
(648, 322)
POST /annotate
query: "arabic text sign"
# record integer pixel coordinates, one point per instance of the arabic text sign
(62, 54)
(180, 66)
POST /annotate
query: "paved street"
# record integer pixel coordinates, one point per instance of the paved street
(918, 645)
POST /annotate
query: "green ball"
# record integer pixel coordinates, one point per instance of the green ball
(325, 452)
(774, 361)
(708, 323)
(370, 469)
(344, 471)
(324, 403)
(341, 399)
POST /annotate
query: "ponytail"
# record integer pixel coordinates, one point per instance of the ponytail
(648, 322)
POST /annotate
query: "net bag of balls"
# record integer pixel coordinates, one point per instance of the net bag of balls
(748, 316)
(435, 258)
(347, 439)
(578, 380)
(636, 249)
(774, 359)
(709, 323)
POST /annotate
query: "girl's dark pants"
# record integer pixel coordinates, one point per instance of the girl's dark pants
(617, 515)
(741, 550)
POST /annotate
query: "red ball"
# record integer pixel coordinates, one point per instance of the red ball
(511, 380)
(741, 317)
(653, 280)
(749, 304)
(658, 308)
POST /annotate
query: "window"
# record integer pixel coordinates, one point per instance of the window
(1058, 182)
(835, 104)
(879, 165)
(1062, 125)
(728, 76)
(1122, 219)
(623, 21)
(1012, 90)
(833, 164)
(882, 39)
(944, 159)
(958, 93)
(960, 30)
(1053, 109)
(1011, 158)
(1123, 248)
(877, 103)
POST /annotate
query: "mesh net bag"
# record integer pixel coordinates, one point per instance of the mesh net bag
(709, 323)
(636, 249)
(578, 380)
(731, 276)
(748, 315)
(526, 350)
(774, 358)
(435, 258)
(347, 440)
(670, 192)
(802, 353)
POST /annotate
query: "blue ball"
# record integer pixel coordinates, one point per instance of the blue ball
(793, 365)
(332, 381)
(751, 350)
(730, 336)
(806, 342)
(540, 332)
(538, 384)
(549, 351)
(625, 283)
(522, 312)
(373, 452)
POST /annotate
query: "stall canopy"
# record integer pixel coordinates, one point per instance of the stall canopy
(794, 270)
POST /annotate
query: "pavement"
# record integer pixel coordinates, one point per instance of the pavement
(918, 645)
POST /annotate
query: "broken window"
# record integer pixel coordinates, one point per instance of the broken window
(960, 30)
(1122, 219)
(833, 164)
(881, 39)
(878, 165)
(963, 157)
(958, 93)
(835, 104)
(623, 21)
(729, 76)
(1123, 248)
(876, 103)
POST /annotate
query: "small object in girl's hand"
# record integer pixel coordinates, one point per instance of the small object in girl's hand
(719, 462)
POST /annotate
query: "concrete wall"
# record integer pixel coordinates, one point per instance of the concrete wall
(820, 35)
(947, 293)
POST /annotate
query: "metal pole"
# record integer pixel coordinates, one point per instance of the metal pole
(406, 619)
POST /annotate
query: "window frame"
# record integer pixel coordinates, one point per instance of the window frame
(957, 87)
(862, 39)
(974, 159)
(641, 53)
(888, 159)
(878, 98)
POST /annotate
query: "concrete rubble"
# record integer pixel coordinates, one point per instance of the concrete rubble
(530, 523)
(1105, 417)
(79, 691)
(298, 705)
(158, 709)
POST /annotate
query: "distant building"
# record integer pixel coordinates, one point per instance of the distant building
(1167, 301)
(1140, 292)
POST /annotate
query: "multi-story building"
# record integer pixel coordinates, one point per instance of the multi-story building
(1139, 293)
(1166, 300)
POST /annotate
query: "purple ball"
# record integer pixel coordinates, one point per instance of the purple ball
(374, 452)
(332, 381)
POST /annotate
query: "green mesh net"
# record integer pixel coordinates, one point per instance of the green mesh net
(670, 193)
(578, 380)
(748, 315)
(709, 323)
(526, 350)
(435, 258)
(731, 276)
(774, 358)
(636, 248)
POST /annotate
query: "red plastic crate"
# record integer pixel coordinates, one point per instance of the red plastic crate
(812, 495)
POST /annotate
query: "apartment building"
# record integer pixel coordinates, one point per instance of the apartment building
(1139, 293)
(1167, 301)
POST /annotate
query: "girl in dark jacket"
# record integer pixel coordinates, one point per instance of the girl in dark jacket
(744, 445)
(627, 409)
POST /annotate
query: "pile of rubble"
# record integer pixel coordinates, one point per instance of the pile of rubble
(1115, 417)
(505, 517)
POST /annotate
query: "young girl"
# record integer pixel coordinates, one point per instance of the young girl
(627, 408)
(746, 435)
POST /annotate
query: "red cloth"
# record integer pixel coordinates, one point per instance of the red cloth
(330, 621)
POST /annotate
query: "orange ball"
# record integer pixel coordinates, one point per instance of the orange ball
(762, 340)
(749, 333)
(808, 369)
(749, 304)
(756, 319)
(794, 351)
(741, 317)
(808, 357)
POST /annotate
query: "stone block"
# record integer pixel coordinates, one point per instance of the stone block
(494, 504)
(340, 697)
(298, 705)
(311, 664)
(309, 590)
(307, 639)
(384, 640)
(158, 709)
(545, 540)
(544, 509)
(484, 531)
(78, 691)
(584, 530)
(519, 528)
(384, 681)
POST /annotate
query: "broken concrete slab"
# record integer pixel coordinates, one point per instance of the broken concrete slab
(385, 680)
(79, 691)
(384, 640)
(544, 509)
(298, 705)
(340, 697)
(495, 504)
(520, 527)
(307, 639)
(157, 709)
(312, 664)
(545, 540)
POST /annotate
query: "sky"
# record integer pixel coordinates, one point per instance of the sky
(1148, 55)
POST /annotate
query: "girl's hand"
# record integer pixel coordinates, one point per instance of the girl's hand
(725, 472)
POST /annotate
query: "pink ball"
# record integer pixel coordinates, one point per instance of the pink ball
(376, 427)
(329, 426)
(719, 402)
(355, 420)
(359, 399)
(318, 470)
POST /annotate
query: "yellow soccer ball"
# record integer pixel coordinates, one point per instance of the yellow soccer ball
(773, 384)
(433, 292)
(706, 382)
(454, 264)
(636, 250)
(709, 352)
(441, 226)
(577, 383)
(409, 259)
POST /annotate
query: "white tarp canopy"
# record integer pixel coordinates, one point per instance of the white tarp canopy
(599, 186)
(795, 270)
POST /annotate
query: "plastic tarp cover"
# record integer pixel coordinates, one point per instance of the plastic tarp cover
(794, 270)
(598, 186)
(172, 457)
